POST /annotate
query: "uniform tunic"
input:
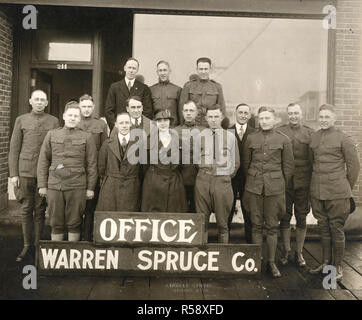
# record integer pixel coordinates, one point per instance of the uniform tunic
(120, 190)
(335, 171)
(269, 163)
(297, 192)
(27, 138)
(204, 93)
(213, 190)
(67, 167)
(163, 188)
(166, 95)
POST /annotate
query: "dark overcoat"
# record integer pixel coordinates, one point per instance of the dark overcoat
(120, 187)
(163, 188)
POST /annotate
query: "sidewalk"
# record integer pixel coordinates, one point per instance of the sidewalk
(295, 284)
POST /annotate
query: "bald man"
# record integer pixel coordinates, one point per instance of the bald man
(27, 138)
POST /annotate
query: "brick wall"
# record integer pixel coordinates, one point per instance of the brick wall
(348, 85)
(6, 59)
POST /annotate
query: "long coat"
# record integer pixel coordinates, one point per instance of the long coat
(117, 100)
(163, 188)
(120, 188)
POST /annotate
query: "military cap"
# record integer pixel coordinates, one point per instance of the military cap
(163, 114)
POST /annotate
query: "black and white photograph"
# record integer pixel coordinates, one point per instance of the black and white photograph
(183, 156)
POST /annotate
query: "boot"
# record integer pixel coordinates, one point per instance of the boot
(327, 256)
(57, 237)
(223, 237)
(300, 237)
(285, 233)
(274, 271)
(73, 236)
(27, 234)
(272, 242)
(338, 251)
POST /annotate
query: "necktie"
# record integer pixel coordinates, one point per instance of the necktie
(129, 86)
(137, 124)
(241, 133)
(124, 144)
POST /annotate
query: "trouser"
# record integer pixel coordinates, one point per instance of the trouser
(88, 219)
(331, 216)
(190, 190)
(265, 211)
(300, 199)
(32, 209)
(237, 187)
(214, 194)
(66, 209)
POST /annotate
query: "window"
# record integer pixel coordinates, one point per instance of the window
(259, 61)
(52, 45)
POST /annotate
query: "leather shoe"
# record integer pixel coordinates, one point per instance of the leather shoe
(274, 271)
(285, 258)
(318, 269)
(300, 260)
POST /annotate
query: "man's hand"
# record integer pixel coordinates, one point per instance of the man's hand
(15, 181)
(90, 194)
(43, 192)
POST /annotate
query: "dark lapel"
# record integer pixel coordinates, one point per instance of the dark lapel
(248, 130)
(146, 125)
(113, 144)
(124, 88)
(135, 88)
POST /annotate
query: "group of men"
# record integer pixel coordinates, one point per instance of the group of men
(275, 171)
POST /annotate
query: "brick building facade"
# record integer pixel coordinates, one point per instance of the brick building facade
(6, 66)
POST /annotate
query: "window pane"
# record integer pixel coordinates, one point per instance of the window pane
(51, 45)
(259, 61)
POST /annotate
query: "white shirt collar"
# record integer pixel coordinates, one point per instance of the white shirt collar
(238, 126)
(127, 80)
(121, 136)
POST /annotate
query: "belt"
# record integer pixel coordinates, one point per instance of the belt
(118, 176)
(166, 172)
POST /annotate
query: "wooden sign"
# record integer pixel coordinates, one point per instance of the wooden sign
(137, 228)
(205, 260)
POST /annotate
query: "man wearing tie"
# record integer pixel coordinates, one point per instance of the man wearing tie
(241, 129)
(120, 189)
(121, 91)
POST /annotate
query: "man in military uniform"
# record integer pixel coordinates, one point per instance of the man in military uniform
(203, 91)
(189, 169)
(241, 129)
(297, 193)
(67, 174)
(166, 95)
(98, 129)
(219, 162)
(28, 135)
(121, 91)
(269, 162)
(335, 171)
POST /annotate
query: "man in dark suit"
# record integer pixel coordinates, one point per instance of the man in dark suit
(122, 90)
(241, 129)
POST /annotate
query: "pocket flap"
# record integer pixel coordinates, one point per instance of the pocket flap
(336, 175)
(276, 174)
(26, 156)
(172, 95)
(195, 91)
(255, 145)
(78, 142)
(77, 170)
(252, 172)
(275, 146)
(57, 140)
